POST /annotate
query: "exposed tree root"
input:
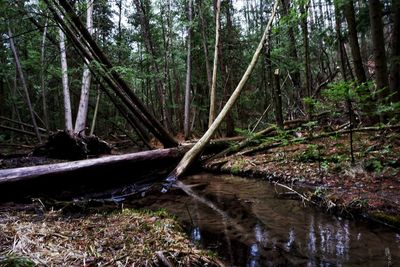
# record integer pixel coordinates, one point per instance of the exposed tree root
(63, 145)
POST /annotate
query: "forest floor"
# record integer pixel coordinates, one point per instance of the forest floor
(115, 238)
(322, 171)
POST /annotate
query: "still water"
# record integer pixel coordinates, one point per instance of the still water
(244, 222)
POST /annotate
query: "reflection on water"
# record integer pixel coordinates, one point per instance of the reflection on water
(243, 221)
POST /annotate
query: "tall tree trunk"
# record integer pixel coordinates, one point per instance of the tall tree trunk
(65, 85)
(213, 107)
(349, 13)
(278, 100)
(195, 151)
(96, 109)
(80, 123)
(205, 45)
(230, 122)
(340, 47)
(395, 52)
(23, 82)
(145, 28)
(269, 75)
(378, 42)
(42, 76)
(306, 46)
(293, 53)
(188, 73)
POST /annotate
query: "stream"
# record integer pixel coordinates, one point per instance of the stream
(244, 222)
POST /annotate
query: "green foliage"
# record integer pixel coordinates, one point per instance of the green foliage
(313, 104)
(15, 261)
(344, 90)
(319, 192)
(244, 132)
(373, 165)
(311, 154)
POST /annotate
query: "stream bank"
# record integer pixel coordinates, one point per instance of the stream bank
(322, 168)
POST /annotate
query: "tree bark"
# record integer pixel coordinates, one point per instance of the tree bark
(395, 53)
(188, 73)
(278, 100)
(205, 45)
(341, 48)
(65, 85)
(42, 76)
(80, 123)
(378, 42)
(194, 152)
(213, 112)
(306, 46)
(24, 85)
(292, 51)
(349, 13)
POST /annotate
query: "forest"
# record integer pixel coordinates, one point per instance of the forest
(112, 111)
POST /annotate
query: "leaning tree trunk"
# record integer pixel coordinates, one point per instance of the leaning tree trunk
(23, 82)
(194, 152)
(80, 123)
(213, 112)
(188, 74)
(74, 28)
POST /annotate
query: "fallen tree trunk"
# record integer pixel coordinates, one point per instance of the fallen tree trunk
(72, 179)
(26, 173)
(68, 179)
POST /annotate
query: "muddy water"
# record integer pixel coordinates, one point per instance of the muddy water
(247, 225)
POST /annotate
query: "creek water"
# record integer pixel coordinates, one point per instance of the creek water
(247, 225)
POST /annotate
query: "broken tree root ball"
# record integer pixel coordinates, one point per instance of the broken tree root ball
(63, 145)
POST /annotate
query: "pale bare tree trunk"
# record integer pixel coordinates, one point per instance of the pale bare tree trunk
(213, 112)
(96, 109)
(23, 82)
(80, 122)
(195, 151)
(42, 77)
(64, 76)
(188, 74)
